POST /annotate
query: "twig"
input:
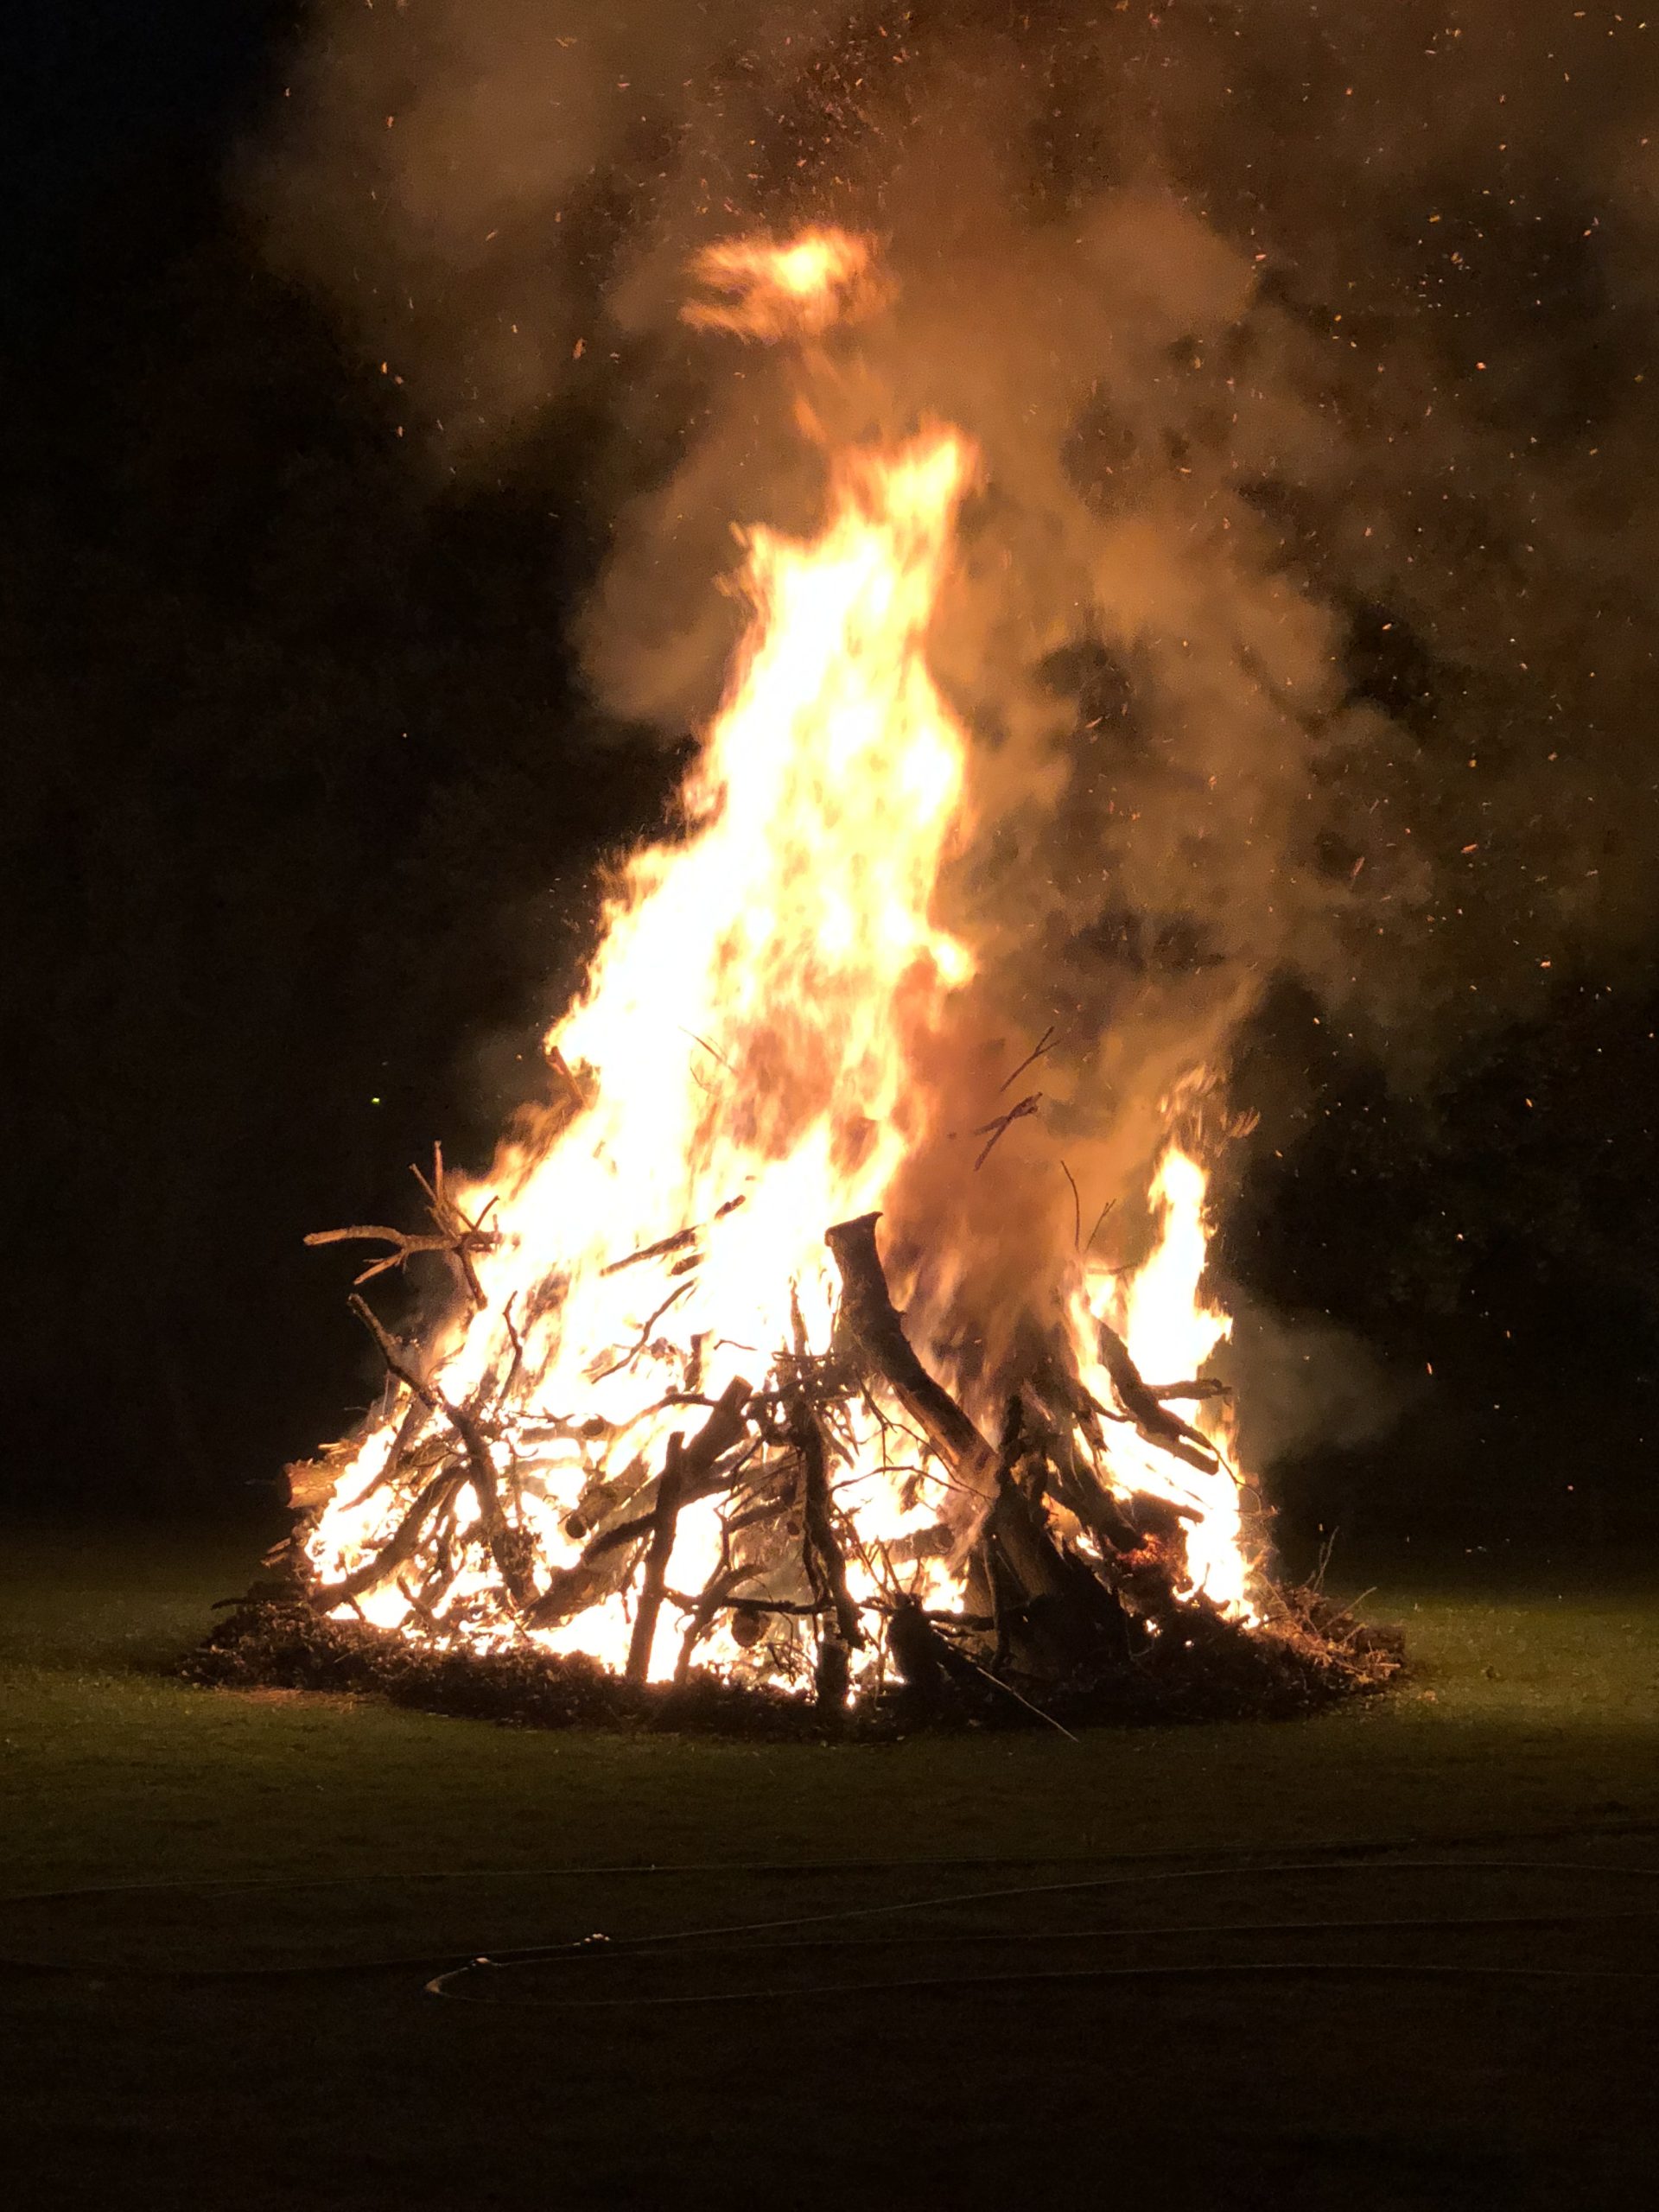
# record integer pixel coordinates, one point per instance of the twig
(457, 1235)
(1044, 1044)
(999, 1682)
(615, 1429)
(677, 1243)
(702, 1608)
(459, 1227)
(664, 1245)
(1325, 1550)
(517, 1343)
(391, 1352)
(400, 1546)
(825, 1565)
(506, 1545)
(561, 1067)
(1028, 1106)
(406, 1246)
(465, 1423)
(713, 1050)
(1076, 1209)
(628, 1357)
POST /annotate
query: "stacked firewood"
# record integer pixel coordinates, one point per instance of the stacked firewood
(1067, 1581)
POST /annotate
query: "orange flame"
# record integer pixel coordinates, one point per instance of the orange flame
(1171, 1333)
(790, 289)
(742, 1033)
(744, 1051)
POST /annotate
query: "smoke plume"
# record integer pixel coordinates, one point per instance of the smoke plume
(1303, 610)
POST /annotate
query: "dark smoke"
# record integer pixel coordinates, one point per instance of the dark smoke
(1304, 612)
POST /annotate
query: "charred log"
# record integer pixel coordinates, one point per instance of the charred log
(1056, 1614)
(826, 1566)
(867, 1316)
(669, 1493)
(926, 1663)
(1145, 1409)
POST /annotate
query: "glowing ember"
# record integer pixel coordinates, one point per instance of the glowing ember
(644, 1402)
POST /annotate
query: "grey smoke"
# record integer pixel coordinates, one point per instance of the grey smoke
(1304, 620)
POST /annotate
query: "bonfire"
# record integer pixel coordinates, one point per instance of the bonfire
(708, 1412)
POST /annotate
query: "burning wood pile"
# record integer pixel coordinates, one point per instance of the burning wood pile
(673, 1448)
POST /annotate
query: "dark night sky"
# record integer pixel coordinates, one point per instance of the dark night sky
(95, 92)
(301, 801)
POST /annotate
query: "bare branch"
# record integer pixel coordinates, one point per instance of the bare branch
(677, 1243)
(992, 1130)
(627, 1358)
(1076, 1209)
(1045, 1044)
(392, 1353)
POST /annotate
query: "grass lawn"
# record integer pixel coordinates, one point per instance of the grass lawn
(1528, 1737)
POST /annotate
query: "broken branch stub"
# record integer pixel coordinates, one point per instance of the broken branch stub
(868, 1316)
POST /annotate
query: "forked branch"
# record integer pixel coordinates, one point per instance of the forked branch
(454, 1233)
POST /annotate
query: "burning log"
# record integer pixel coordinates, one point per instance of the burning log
(1144, 1408)
(925, 1660)
(311, 1481)
(508, 1547)
(604, 1564)
(1051, 1609)
(702, 1609)
(868, 1315)
(1050, 1606)
(700, 1473)
(826, 1566)
(603, 1496)
(401, 1548)
(669, 1493)
(682, 1472)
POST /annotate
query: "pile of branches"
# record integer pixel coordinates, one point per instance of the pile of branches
(1076, 1603)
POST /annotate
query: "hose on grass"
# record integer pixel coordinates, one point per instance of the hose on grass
(479, 1979)
(468, 1983)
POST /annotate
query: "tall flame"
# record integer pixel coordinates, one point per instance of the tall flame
(1170, 1332)
(743, 1033)
(741, 1074)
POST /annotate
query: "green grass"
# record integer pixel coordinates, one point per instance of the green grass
(1528, 1731)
